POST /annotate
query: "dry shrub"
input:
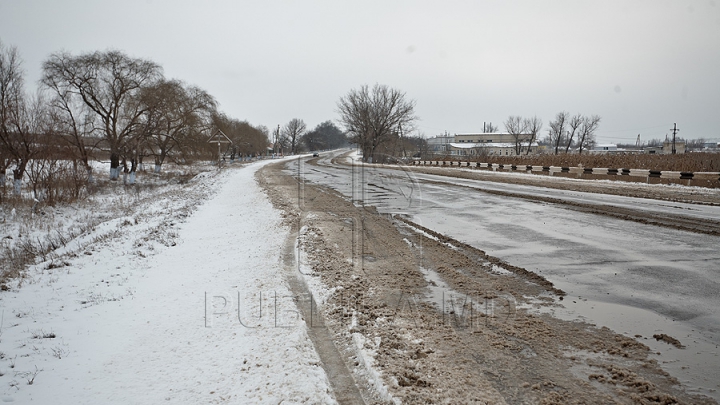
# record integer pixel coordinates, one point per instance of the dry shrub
(55, 181)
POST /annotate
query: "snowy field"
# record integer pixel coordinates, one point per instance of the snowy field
(169, 296)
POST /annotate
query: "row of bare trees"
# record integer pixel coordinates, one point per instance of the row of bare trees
(565, 131)
(376, 119)
(247, 140)
(577, 130)
(523, 131)
(108, 105)
(294, 137)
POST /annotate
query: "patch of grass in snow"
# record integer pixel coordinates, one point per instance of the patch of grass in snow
(34, 233)
(29, 376)
(41, 334)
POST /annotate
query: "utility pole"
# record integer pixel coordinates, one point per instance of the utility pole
(675, 130)
(277, 140)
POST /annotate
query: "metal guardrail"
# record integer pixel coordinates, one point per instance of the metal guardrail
(703, 179)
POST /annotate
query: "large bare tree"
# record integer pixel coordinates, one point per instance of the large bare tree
(557, 130)
(292, 132)
(109, 84)
(587, 132)
(22, 118)
(72, 121)
(532, 126)
(574, 124)
(11, 97)
(515, 126)
(374, 116)
(174, 112)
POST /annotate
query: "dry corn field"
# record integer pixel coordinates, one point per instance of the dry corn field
(687, 162)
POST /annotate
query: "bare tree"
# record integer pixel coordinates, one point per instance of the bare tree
(173, 112)
(293, 131)
(277, 141)
(373, 116)
(574, 123)
(587, 132)
(515, 126)
(490, 128)
(532, 127)
(22, 118)
(72, 122)
(5, 162)
(109, 84)
(556, 132)
(11, 98)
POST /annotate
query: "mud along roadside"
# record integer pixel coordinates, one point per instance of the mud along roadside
(422, 318)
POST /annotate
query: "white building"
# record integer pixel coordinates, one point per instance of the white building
(492, 144)
(440, 145)
(604, 148)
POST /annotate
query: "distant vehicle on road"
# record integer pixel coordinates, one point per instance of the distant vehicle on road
(315, 154)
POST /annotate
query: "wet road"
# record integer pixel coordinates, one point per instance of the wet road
(634, 278)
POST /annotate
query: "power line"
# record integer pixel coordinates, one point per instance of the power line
(635, 129)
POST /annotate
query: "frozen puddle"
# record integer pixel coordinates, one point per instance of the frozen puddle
(696, 366)
(438, 289)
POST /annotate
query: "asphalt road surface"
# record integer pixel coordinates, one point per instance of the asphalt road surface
(636, 278)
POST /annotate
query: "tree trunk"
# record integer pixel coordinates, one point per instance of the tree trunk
(114, 166)
(532, 139)
(18, 173)
(367, 154)
(133, 170)
(124, 171)
(159, 160)
(568, 144)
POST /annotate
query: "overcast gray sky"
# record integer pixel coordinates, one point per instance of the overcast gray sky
(640, 65)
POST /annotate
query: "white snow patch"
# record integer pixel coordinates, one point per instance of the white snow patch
(149, 309)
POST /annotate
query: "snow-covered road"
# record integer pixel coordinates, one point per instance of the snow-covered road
(208, 320)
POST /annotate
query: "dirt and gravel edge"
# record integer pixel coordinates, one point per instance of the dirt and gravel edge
(533, 359)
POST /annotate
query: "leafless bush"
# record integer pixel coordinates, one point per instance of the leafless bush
(13, 260)
(56, 181)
